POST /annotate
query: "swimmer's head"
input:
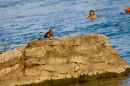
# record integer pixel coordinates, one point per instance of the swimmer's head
(127, 10)
(91, 12)
(50, 30)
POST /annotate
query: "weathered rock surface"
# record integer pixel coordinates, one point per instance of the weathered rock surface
(59, 58)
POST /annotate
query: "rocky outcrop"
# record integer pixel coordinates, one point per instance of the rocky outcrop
(59, 58)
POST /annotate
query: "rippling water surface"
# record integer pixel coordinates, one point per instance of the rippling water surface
(24, 20)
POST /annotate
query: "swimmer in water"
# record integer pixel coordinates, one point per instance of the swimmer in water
(92, 15)
(127, 10)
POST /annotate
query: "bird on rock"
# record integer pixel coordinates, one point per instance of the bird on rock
(49, 34)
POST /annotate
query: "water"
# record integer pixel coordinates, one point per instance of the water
(24, 20)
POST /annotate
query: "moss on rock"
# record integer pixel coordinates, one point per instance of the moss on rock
(81, 78)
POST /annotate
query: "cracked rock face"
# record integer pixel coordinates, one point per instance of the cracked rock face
(59, 58)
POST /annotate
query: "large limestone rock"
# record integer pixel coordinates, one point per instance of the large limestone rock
(59, 58)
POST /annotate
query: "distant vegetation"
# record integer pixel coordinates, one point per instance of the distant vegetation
(5, 47)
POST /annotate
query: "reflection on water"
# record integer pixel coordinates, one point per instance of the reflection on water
(118, 81)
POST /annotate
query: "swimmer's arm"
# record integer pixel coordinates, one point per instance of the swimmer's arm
(97, 16)
(88, 17)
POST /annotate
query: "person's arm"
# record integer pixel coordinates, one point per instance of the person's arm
(97, 16)
(88, 17)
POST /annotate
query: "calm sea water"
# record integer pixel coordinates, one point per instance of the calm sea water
(24, 20)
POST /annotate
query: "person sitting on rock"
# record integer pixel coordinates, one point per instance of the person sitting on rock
(49, 34)
(92, 15)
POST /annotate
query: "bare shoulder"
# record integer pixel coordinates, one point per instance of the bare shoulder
(88, 17)
(96, 15)
(92, 17)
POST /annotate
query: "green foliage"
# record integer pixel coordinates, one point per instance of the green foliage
(5, 47)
